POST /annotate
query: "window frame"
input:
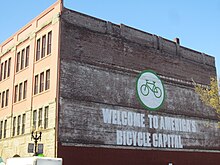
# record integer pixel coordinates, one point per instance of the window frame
(38, 52)
(1, 72)
(5, 69)
(5, 129)
(46, 117)
(43, 46)
(27, 56)
(9, 67)
(3, 99)
(16, 94)
(41, 82)
(49, 42)
(23, 123)
(14, 126)
(1, 129)
(36, 81)
(22, 66)
(25, 90)
(47, 80)
(20, 91)
(18, 62)
(34, 123)
(6, 97)
(18, 124)
(40, 117)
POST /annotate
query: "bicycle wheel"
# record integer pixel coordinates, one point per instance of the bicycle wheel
(157, 92)
(144, 90)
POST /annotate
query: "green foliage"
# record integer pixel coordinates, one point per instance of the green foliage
(210, 95)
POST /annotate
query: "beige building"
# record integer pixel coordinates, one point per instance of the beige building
(28, 85)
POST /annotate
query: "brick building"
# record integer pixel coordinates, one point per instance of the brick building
(76, 78)
(28, 85)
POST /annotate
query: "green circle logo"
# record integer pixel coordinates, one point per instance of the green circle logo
(150, 90)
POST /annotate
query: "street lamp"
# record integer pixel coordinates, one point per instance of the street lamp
(36, 137)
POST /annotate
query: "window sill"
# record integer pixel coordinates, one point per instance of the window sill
(41, 59)
(3, 80)
(5, 107)
(41, 93)
(21, 70)
(18, 102)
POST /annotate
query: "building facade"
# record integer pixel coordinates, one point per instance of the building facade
(28, 85)
(84, 83)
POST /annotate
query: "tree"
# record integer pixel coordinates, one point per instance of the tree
(210, 95)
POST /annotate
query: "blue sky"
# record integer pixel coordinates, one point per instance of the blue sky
(195, 22)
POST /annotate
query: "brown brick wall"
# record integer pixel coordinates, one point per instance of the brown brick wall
(99, 42)
(100, 62)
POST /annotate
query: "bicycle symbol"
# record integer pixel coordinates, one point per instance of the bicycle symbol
(151, 86)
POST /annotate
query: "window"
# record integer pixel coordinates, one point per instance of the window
(22, 59)
(14, 126)
(44, 82)
(38, 50)
(23, 123)
(6, 97)
(9, 67)
(43, 50)
(1, 72)
(20, 92)
(36, 85)
(19, 125)
(5, 70)
(49, 42)
(44, 46)
(40, 118)
(1, 127)
(46, 117)
(18, 62)
(3, 99)
(5, 129)
(16, 94)
(27, 56)
(34, 119)
(25, 90)
(41, 81)
(47, 84)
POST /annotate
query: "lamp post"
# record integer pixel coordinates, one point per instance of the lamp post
(36, 137)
